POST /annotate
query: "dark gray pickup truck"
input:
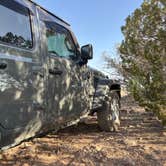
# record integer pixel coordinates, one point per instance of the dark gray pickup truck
(45, 83)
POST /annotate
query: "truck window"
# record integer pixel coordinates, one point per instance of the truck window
(59, 41)
(15, 23)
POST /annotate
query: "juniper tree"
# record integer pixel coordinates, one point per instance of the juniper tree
(143, 55)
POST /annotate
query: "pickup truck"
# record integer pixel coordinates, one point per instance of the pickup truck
(45, 82)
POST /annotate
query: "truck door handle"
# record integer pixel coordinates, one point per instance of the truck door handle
(38, 70)
(3, 66)
(55, 71)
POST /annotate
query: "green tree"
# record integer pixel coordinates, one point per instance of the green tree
(143, 54)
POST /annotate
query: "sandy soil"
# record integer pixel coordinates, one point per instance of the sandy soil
(140, 141)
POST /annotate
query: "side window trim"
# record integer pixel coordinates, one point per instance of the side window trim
(71, 38)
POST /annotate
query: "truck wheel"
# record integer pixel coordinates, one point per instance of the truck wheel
(109, 115)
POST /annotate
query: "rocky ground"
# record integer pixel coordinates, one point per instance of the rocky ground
(140, 141)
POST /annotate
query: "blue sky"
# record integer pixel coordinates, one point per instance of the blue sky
(94, 21)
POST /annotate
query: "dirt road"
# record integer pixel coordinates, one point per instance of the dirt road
(140, 141)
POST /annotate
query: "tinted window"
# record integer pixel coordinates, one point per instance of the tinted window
(15, 26)
(59, 41)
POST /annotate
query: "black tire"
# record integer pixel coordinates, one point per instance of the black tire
(109, 115)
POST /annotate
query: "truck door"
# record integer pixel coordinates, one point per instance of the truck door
(65, 92)
(64, 82)
(21, 77)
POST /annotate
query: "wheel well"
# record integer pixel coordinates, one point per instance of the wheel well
(117, 88)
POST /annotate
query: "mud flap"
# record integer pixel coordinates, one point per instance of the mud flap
(115, 118)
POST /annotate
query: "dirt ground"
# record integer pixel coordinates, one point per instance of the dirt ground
(141, 141)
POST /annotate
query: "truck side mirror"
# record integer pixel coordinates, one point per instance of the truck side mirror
(87, 52)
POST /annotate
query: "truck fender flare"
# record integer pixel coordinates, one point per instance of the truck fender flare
(104, 86)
